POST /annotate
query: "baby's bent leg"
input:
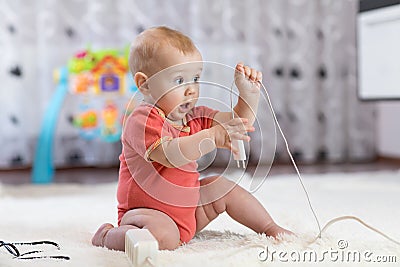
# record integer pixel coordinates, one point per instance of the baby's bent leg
(162, 227)
(111, 237)
(218, 194)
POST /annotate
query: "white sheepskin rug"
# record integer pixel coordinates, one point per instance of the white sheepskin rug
(69, 214)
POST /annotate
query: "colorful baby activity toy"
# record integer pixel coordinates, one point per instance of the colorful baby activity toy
(102, 86)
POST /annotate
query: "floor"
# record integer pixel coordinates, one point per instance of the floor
(61, 214)
(104, 175)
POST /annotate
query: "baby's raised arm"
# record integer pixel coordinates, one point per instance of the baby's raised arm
(183, 150)
(247, 81)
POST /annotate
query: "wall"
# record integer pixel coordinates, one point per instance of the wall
(306, 50)
(388, 129)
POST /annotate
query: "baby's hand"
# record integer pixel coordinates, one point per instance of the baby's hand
(247, 79)
(234, 129)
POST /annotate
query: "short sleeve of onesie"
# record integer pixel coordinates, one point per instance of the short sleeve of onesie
(145, 130)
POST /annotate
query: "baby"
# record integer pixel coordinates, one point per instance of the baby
(159, 187)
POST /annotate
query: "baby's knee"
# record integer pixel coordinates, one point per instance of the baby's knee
(168, 239)
(162, 227)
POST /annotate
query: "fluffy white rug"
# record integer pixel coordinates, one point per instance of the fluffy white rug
(70, 213)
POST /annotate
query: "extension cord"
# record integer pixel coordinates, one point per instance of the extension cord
(141, 247)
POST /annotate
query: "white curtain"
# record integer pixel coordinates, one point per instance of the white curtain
(305, 48)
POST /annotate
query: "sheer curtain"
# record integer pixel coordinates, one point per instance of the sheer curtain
(305, 48)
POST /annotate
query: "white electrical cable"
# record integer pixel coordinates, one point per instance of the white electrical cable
(241, 156)
(291, 157)
(334, 220)
(329, 223)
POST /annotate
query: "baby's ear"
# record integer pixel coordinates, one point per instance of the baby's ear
(141, 82)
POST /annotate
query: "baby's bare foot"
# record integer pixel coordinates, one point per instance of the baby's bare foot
(284, 231)
(276, 231)
(98, 238)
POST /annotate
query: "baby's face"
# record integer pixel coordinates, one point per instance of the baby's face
(175, 89)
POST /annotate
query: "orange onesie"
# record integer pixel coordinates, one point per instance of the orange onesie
(146, 184)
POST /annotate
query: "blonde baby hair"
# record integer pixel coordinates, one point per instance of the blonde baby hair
(143, 53)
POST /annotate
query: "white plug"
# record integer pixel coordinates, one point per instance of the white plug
(141, 247)
(241, 156)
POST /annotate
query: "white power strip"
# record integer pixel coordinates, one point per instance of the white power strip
(141, 247)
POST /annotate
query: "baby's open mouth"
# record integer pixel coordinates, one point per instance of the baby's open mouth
(185, 107)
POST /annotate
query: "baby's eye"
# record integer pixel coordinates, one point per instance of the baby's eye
(179, 80)
(196, 79)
